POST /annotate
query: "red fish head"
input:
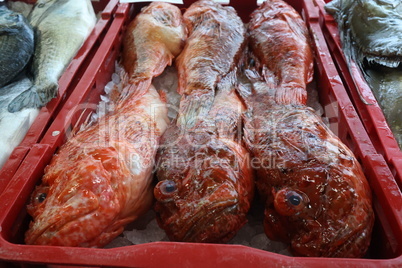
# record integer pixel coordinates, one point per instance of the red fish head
(76, 205)
(319, 216)
(207, 202)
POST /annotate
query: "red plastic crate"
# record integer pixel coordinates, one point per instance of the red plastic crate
(386, 245)
(67, 82)
(362, 97)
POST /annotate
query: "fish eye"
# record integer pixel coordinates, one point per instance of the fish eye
(289, 202)
(164, 190)
(41, 197)
(294, 198)
(168, 187)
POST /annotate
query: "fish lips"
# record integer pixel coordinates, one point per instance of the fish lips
(377, 32)
(45, 228)
(344, 242)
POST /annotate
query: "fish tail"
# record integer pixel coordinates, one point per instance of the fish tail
(291, 94)
(132, 90)
(264, 83)
(30, 98)
(194, 107)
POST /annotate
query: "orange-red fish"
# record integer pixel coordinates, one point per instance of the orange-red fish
(280, 41)
(153, 40)
(205, 180)
(316, 196)
(213, 48)
(101, 179)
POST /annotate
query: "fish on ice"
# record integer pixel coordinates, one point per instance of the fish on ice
(101, 179)
(60, 28)
(315, 193)
(206, 183)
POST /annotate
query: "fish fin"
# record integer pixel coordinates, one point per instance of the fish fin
(9, 30)
(163, 96)
(291, 93)
(333, 7)
(194, 107)
(133, 90)
(27, 99)
(228, 82)
(265, 83)
(167, 60)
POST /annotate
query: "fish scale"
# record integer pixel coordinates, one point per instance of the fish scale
(101, 179)
(315, 194)
(16, 44)
(373, 41)
(205, 181)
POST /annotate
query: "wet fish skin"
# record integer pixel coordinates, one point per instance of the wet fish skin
(206, 183)
(61, 27)
(315, 193)
(141, 66)
(371, 36)
(16, 44)
(276, 26)
(101, 179)
(373, 26)
(213, 48)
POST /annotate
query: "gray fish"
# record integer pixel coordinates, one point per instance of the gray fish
(61, 27)
(13, 126)
(16, 44)
(371, 36)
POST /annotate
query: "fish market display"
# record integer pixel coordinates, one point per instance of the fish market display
(316, 196)
(101, 179)
(16, 44)
(61, 27)
(205, 179)
(371, 36)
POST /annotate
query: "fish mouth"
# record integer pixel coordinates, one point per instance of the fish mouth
(46, 228)
(34, 234)
(379, 53)
(375, 29)
(389, 62)
(345, 242)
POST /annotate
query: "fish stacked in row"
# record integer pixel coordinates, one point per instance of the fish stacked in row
(240, 105)
(60, 28)
(316, 195)
(206, 183)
